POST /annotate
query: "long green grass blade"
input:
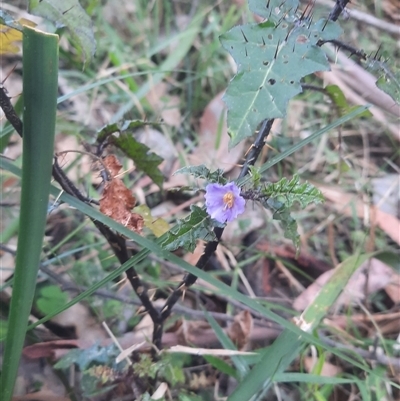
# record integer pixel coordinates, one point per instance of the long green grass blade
(288, 345)
(40, 66)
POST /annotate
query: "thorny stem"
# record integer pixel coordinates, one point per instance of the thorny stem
(9, 111)
(338, 9)
(210, 248)
(353, 51)
(116, 241)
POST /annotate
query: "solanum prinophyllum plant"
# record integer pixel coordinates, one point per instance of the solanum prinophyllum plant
(272, 58)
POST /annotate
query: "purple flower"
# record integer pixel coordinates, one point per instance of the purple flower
(224, 202)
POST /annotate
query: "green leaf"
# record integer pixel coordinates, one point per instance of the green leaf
(156, 225)
(51, 298)
(274, 10)
(171, 368)
(311, 378)
(221, 365)
(391, 259)
(390, 84)
(271, 61)
(186, 233)
(388, 80)
(337, 96)
(127, 125)
(288, 345)
(94, 380)
(280, 197)
(289, 224)
(85, 357)
(202, 171)
(290, 191)
(145, 160)
(40, 79)
(70, 14)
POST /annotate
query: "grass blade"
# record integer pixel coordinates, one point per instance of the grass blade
(40, 65)
(288, 345)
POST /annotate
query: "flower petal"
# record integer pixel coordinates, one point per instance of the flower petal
(215, 202)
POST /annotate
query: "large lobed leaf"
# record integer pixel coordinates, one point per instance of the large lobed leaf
(68, 13)
(271, 58)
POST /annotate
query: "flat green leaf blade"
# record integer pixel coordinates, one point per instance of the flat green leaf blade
(40, 82)
(145, 160)
(328, 294)
(266, 79)
(70, 14)
(288, 345)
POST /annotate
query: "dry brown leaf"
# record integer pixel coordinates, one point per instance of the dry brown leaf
(213, 126)
(373, 272)
(113, 165)
(386, 193)
(387, 322)
(240, 329)
(193, 257)
(47, 349)
(117, 200)
(85, 324)
(342, 202)
(191, 331)
(392, 10)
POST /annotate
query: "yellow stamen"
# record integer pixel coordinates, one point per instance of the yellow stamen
(228, 200)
